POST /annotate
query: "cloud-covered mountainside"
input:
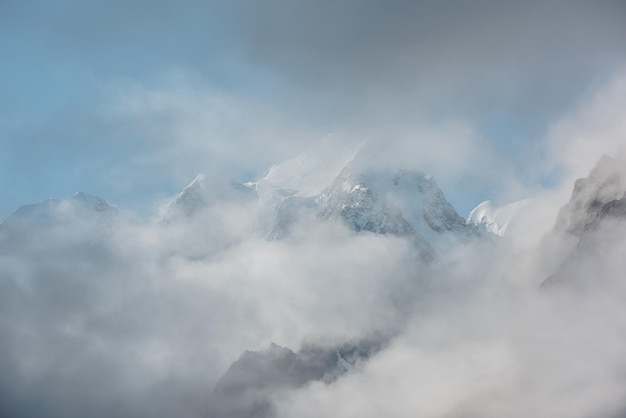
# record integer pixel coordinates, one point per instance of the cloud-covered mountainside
(324, 288)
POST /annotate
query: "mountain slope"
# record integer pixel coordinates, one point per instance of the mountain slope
(397, 202)
(606, 182)
(204, 192)
(352, 201)
(248, 386)
(81, 207)
(596, 215)
(331, 186)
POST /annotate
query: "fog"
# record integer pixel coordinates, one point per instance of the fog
(149, 310)
(142, 318)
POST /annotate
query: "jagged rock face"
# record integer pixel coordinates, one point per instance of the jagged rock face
(402, 203)
(246, 389)
(437, 213)
(606, 183)
(613, 209)
(596, 214)
(351, 200)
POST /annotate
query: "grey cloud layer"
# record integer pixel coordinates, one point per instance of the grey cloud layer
(410, 57)
(120, 324)
(136, 324)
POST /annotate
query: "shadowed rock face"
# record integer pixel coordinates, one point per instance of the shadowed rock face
(605, 183)
(248, 386)
(596, 214)
(593, 263)
(615, 209)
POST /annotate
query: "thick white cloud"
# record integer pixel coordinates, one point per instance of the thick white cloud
(142, 321)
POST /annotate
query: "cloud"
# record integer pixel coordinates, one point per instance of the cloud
(129, 324)
(387, 61)
(144, 319)
(554, 354)
(594, 128)
(126, 323)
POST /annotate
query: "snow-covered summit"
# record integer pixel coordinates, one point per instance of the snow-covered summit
(496, 218)
(362, 209)
(399, 202)
(351, 200)
(418, 197)
(312, 171)
(335, 183)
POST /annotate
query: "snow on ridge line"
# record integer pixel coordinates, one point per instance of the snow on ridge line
(315, 169)
(496, 219)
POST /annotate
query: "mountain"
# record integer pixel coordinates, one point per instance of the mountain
(81, 221)
(334, 186)
(496, 218)
(401, 202)
(80, 208)
(606, 183)
(310, 172)
(329, 182)
(247, 387)
(596, 216)
(350, 199)
(418, 197)
(204, 192)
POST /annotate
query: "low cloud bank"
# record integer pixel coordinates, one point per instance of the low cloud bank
(142, 319)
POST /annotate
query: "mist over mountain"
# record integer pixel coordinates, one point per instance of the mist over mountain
(595, 216)
(312, 209)
(274, 297)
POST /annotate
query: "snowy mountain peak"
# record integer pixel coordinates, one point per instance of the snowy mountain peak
(352, 200)
(417, 196)
(398, 202)
(321, 184)
(315, 169)
(493, 218)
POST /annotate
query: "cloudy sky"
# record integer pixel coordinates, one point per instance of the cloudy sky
(115, 315)
(130, 100)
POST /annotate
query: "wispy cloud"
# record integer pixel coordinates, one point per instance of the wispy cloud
(143, 318)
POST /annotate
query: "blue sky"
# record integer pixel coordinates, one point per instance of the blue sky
(129, 100)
